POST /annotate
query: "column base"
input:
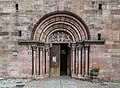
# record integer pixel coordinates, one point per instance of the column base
(35, 77)
(46, 75)
(73, 76)
(40, 77)
(80, 76)
(87, 77)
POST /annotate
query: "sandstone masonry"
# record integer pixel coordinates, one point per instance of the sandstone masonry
(18, 17)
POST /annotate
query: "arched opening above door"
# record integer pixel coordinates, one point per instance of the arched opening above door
(64, 20)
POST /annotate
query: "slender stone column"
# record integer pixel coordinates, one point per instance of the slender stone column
(81, 70)
(35, 58)
(86, 67)
(41, 61)
(73, 60)
(37, 61)
(77, 60)
(32, 60)
(84, 60)
(88, 58)
(47, 59)
(80, 61)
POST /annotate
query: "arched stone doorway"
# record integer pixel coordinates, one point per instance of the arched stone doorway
(59, 35)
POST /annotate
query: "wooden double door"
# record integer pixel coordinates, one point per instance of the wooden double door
(60, 62)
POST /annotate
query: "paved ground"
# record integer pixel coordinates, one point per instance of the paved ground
(61, 82)
(12, 83)
(68, 83)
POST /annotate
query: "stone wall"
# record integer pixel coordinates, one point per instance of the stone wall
(101, 16)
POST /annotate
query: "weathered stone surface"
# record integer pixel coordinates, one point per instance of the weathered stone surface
(115, 12)
(12, 83)
(106, 22)
(4, 33)
(14, 33)
(69, 83)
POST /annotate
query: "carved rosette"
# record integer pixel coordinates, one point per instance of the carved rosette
(60, 36)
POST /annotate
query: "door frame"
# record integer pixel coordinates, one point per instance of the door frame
(68, 58)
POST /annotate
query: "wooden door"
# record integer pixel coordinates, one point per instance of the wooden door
(55, 60)
(60, 60)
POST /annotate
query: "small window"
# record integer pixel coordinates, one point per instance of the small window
(16, 7)
(99, 36)
(93, 3)
(20, 33)
(100, 7)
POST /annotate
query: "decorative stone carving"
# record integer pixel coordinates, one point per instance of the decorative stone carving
(60, 36)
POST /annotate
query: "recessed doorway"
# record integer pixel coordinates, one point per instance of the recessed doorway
(63, 59)
(60, 60)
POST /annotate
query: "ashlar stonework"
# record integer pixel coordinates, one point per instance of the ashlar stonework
(72, 23)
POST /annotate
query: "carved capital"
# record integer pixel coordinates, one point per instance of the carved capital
(47, 46)
(80, 45)
(34, 47)
(73, 46)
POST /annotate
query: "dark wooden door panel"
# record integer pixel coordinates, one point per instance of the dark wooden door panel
(60, 60)
(54, 60)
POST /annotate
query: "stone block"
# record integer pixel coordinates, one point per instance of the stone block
(14, 73)
(117, 42)
(113, 50)
(106, 12)
(14, 34)
(3, 73)
(117, 17)
(4, 33)
(1, 14)
(116, 46)
(115, 12)
(88, 7)
(115, 80)
(0, 29)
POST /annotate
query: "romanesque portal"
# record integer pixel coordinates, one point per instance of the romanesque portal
(58, 47)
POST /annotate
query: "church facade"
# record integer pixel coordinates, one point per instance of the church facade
(52, 38)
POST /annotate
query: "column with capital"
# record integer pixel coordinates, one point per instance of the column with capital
(80, 61)
(73, 65)
(47, 46)
(34, 58)
(37, 61)
(41, 61)
(87, 60)
(77, 61)
(84, 60)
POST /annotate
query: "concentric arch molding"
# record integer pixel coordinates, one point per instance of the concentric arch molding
(67, 23)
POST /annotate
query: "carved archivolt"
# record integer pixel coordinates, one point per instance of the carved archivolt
(68, 21)
(60, 36)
